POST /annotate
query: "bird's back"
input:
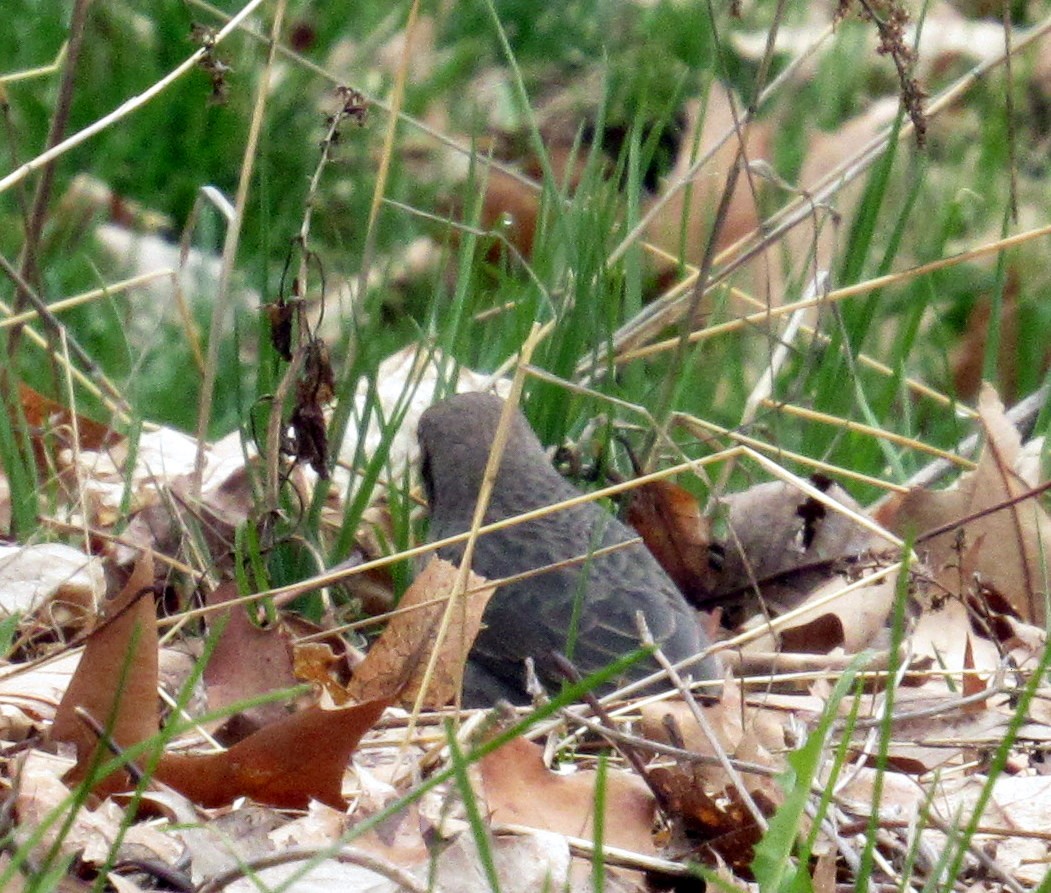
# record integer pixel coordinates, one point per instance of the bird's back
(586, 607)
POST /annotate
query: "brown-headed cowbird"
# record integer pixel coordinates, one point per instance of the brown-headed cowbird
(586, 611)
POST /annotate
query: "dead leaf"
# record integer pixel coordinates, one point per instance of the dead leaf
(823, 876)
(720, 829)
(91, 834)
(943, 633)
(316, 663)
(48, 418)
(524, 863)
(972, 682)
(1008, 547)
(512, 208)
(671, 524)
(395, 664)
(855, 621)
(740, 729)
(69, 582)
(116, 680)
(520, 790)
(286, 764)
(248, 660)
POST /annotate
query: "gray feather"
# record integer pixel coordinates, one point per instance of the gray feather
(533, 617)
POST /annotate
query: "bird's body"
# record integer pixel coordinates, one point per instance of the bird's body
(586, 610)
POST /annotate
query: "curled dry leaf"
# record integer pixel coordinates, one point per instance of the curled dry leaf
(396, 662)
(704, 802)
(1007, 548)
(670, 522)
(67, 580)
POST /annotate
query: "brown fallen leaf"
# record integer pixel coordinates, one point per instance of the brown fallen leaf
(830, 614)
(396, 662)
(519, 789)
(248, 660)
(1008, 547)
(741, 730)
(48, 419)
(286, 764)
(719, 827)
(671, 524)
(116, 680)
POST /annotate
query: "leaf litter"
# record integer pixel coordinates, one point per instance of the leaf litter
(323, 752)
(797, 588)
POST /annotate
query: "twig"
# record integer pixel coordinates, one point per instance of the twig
(128, 107)
(703, 724)
(42, 196)
(629, 753)
(611, 855)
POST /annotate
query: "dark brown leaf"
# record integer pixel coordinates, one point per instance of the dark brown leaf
(287, 764)
(116, 680)
(670, 522)
(247, 661)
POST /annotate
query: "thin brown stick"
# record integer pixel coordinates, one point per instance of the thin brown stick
(42, 196)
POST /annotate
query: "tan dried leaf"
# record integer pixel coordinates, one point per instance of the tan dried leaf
(519, 789)
(1009, 547)
(396, 662)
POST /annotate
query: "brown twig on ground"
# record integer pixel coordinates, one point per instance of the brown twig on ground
(705, 726)
(623, 748)
(42, 196)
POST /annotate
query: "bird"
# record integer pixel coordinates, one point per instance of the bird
(598, 596)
